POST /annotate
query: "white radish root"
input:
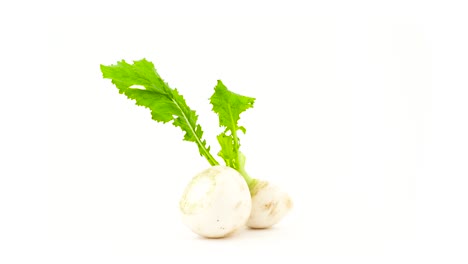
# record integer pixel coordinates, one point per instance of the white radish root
(269, 205)
(216, 203)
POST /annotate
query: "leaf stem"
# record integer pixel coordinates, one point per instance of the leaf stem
(206, 153)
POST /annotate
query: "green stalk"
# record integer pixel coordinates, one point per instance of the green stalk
(251, 182)
(240, 163)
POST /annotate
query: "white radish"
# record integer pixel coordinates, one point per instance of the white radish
(216, 203)
(219, 200)
(269, 205)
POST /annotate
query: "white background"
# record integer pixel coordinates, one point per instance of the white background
(361, 115)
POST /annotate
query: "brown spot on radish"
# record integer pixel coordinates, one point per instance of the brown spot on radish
(289, 203)
(272, 207)
(268, 205)
(238, 205)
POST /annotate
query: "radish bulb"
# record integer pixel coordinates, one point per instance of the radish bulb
(216, 203)
(269, 205)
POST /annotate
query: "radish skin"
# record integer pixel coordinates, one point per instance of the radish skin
(269, 205)
(216, 203)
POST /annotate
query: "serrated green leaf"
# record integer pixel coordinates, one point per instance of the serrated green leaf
(165, 103)
(229, 105)
(227, 151)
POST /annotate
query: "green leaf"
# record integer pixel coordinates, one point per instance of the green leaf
(229, 105)
(141, 82)
(227, 150)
